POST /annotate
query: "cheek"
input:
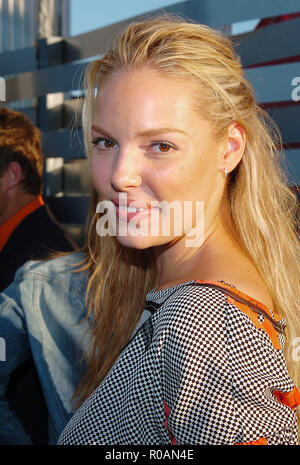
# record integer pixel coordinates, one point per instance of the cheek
(179, 178)
(100, 172)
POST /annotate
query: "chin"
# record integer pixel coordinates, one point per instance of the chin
(141, 242)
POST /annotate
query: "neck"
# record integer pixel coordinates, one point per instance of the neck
(15, 203)
(176, 262)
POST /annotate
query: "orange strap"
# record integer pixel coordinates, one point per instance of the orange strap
(291, 398)
(258, 442)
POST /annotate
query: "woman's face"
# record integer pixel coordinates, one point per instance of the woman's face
(150, 146)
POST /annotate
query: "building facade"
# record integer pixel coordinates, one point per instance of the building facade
(22, 21)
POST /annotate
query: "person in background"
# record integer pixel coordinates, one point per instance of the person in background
(28, 230)
(169, 119)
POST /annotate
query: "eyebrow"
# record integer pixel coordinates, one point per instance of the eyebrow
(148, 132)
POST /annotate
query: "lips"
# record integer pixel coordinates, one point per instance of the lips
(128, 209)
(131, 203)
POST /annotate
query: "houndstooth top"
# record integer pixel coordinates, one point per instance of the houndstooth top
(206, 368)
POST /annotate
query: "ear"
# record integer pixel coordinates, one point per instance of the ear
(234, 147)
(12, 176)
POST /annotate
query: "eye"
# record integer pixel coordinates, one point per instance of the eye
(162, 147)
(103, 144)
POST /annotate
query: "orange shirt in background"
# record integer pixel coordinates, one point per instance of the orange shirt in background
(9, 226)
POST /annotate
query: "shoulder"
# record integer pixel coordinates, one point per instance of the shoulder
(193, 306)
(190, 328)
(198, 326)
(192, 294)
(60, 271)
(45, 230)
(209, 308)
(55, 264)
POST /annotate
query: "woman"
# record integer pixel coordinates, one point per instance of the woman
(42, 316)
(174, 120)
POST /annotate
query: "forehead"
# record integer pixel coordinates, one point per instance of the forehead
(146, 88)
(147, 74)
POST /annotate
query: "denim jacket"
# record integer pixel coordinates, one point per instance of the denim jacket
(41, 313)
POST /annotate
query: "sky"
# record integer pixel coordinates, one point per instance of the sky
(93, 14)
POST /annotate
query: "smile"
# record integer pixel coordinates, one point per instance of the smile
(131, 209)
(127, 213)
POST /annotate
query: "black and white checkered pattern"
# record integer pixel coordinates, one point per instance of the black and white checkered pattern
(204, 359)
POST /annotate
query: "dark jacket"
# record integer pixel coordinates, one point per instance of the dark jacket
(35, 237)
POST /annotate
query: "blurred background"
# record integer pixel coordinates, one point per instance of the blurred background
(45, 46)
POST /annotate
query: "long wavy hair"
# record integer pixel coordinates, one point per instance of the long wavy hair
(263, 207)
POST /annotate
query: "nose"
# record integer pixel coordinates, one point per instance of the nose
(126, 171)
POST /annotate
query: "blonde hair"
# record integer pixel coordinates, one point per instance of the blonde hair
(263, 207)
